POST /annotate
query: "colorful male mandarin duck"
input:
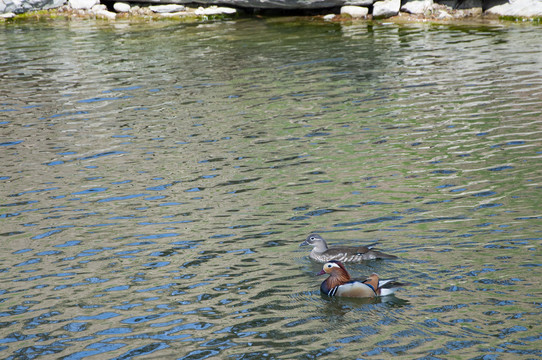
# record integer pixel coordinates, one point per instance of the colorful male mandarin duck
(321, 253)
(339, 283)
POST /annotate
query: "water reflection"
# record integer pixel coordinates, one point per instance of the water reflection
(158, 179)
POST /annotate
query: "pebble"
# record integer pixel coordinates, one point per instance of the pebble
(443, 15)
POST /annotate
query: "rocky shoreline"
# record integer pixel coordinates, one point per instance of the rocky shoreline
(397, 10)
(121, 10)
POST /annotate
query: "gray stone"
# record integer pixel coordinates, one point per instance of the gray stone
(121, 7)
(469, 4)
(356, 12)
(449, 3)
(461, 4)
(21, 6)
(359, 2)
(522, 8)
(386, 8)
(169, 8)
(83, 4)
(417, 6)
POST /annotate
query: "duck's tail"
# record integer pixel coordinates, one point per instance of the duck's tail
(388, 287)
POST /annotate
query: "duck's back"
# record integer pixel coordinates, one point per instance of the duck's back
(349, 254)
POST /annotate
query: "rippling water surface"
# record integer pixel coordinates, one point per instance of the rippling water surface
(157, 180)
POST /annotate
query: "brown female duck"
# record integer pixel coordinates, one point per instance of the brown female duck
(322, 253)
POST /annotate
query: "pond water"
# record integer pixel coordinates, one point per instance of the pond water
(158, 178)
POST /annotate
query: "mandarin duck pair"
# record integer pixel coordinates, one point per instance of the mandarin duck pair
(339, 282)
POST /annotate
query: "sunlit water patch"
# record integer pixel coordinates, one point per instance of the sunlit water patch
(158, 179)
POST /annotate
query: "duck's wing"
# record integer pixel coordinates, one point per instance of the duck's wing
(357, 253)
(344, 254)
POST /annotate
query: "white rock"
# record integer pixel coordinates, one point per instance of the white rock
(169, 8)
(101, 10)
(8, 15)
(417, 6)
(200, 11)
(386, 8)
(356, 12)
(215, 10)
(121, 7)
(83, 4)
(227, 10)
(329, 17)
(523, 8)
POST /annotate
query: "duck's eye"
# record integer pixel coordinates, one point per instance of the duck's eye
(329, 266)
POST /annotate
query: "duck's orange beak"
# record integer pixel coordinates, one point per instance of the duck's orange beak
(321, 272)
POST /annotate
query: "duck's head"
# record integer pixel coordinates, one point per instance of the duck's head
(333, 267)
(314, 240)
